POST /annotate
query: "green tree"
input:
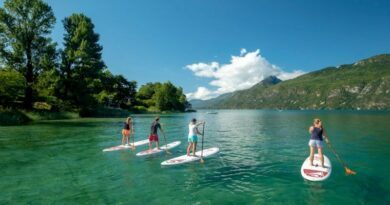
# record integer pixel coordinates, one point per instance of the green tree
(11, 87)
(146, 94)
(163, 97)
(81, 63)
(117, 91)
(124, 92)
(24, 45)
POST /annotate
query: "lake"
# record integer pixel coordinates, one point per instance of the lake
(261, 152)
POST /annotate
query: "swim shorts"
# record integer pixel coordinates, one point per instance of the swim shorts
(192, 138)
(315, 143)
(153, 137)
(125, 132)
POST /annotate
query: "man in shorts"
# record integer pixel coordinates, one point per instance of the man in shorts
(153, 132)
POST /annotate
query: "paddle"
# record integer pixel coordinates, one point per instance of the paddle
(201, 155)
(166, 145)
(133, 147)
(348, 171)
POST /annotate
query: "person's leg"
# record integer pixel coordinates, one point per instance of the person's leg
(157, 144)
(194, 148)
(311, 155)
(321, 156)
(132, 144)
(150, 142)
(123, 139)
(189, 148)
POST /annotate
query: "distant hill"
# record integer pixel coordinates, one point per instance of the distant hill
(362, 85)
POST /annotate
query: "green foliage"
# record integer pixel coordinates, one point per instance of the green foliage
(24, 45)
(13, 117)
(81, 63)
(35, 74)
(48, 115)
(11, 88)
(162, 97)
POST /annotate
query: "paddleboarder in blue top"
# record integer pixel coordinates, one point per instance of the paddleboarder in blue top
(193, 136)
(318, 134)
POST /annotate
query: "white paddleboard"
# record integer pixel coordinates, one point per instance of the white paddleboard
(120, 147)
(316, 173)
(162, 149)
(186, 159)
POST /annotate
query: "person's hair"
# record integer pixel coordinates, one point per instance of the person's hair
(316, 121)
(128, 120)
(157, 118)
(193, 120)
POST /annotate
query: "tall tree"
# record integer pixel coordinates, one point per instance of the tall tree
(81, 62)
(162, 97)
(117, 91)
(24, 42)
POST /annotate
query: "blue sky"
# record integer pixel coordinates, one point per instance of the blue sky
(159, 40)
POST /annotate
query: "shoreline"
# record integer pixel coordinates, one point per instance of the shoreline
(15, 117)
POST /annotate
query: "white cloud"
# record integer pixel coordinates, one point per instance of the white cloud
(242, 72)
(286, 75)
(203, 69)
(201, 93)
(242, 51)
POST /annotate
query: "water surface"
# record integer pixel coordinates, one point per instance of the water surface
(61, 162)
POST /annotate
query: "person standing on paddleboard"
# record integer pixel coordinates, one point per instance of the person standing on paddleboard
(127, 130)
(316, 140)
(153, 132)
(193, 136)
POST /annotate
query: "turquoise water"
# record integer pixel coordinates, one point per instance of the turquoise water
(61, 162)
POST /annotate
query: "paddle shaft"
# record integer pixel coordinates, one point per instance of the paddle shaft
(201, 155)
(335, 153)
(166, 145)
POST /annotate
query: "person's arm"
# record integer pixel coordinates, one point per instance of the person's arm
(199, 123)
(325, 135)
(197, 131)
(161, 129)
(311, 129)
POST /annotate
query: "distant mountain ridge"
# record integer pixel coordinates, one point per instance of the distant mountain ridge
(362, 85)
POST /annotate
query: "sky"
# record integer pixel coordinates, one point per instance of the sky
(210, 47)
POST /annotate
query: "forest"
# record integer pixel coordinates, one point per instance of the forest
(37, 74)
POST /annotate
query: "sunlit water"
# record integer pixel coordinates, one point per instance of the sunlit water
(61, 162)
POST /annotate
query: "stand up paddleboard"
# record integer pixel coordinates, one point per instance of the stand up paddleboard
(162, 149)
(316, 173)
(120, 147)
(186, 159)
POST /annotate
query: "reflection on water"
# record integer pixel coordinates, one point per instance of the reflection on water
(259, 161)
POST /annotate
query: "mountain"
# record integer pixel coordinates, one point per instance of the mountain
(216, 102)
(362, 85)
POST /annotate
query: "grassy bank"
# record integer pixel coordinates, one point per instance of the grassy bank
(47, 115)
(19, 117)
(13, 117)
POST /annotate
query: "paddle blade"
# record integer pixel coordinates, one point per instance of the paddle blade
(201, 160)
(349, 171)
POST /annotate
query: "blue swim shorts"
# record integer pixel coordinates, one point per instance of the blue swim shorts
(192, 138)
(316, 143)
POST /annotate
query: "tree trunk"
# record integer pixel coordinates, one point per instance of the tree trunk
(28, 98)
